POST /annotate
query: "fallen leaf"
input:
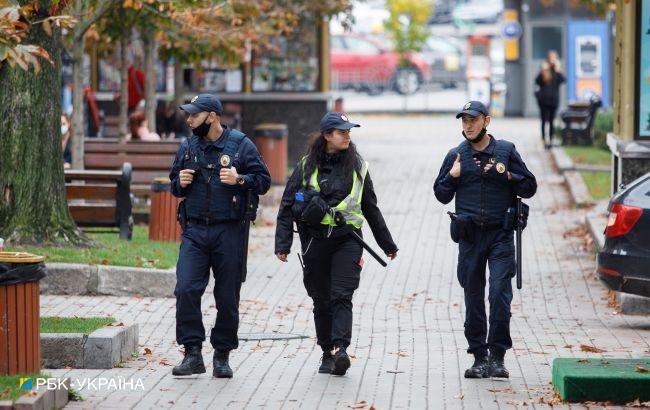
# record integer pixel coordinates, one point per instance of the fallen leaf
(362, 404)
(641, 369)
(104, 261)
(394, 371)
(583, 360)
(119, 324)
(373, 407)
(591, 349)
(147, 350)
(568, 346)
(461, 397)
(353, 356)
(164, 363)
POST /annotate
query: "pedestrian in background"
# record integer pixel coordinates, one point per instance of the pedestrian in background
(548, 83)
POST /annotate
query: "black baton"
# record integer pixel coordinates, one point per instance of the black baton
(369, 249)
(520, 222)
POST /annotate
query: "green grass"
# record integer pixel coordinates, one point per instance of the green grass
(139, 252)
(85, 325)
(598, 183)
(10, 386)
(589, 155)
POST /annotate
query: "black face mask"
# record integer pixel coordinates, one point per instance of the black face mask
(202, 130)
(478, 138)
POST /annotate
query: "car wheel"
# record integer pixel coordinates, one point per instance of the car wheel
(407, 80)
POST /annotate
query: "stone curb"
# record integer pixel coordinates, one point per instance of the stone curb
(44, 399)
(102, 349)
(596, 226)
(577, 189)
(79, 279)
(563, 161)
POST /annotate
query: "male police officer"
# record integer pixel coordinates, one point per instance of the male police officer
(486, 175)
(213, 170)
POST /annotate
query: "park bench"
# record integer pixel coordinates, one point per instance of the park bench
(101, 198)
(578, 121)
(149, 159)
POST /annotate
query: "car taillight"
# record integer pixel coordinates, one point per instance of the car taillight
(622, 219)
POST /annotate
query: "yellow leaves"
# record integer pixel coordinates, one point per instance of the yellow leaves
(591, 349)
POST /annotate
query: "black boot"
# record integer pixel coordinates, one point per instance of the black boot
(479, 369)
(326, 362)
(497, 367)
(192, 362)
(341, 362)
(220, 366)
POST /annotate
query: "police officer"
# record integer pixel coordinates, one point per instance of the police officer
(328, 195)
(213, 170)
(486, 175)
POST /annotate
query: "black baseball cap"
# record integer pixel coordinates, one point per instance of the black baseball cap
(203, 102)
(473, 108)
(336, 120)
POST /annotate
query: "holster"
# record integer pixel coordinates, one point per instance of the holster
(181, 215)
(461, 228)
(510, 221)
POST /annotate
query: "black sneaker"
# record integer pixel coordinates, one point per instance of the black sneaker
(497, 368)
(326, 362)
(341, 362)
(220, 367)
(192, 362)
(479, 369)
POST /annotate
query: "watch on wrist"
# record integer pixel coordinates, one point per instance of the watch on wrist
(241, 180)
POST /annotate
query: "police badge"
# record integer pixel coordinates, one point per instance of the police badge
(501, 168)
(224, 160)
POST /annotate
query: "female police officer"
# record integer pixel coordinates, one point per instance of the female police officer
(328, 195)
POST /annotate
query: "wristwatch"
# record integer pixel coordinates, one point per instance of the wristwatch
(241, 180)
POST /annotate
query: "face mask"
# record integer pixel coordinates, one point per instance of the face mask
(479, 137)
(64, 129)
(202, 130)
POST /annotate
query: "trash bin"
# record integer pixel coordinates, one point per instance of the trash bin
(271, 141)
(20, 347)
(163, 225)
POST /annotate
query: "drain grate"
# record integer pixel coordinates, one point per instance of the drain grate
(269, 336)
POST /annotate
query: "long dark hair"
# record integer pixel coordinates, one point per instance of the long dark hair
(316, 153)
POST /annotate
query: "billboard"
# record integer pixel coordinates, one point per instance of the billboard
(643, 72)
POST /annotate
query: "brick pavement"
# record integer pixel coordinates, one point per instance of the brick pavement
(408, 343)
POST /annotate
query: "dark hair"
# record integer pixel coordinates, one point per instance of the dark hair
(316, 153)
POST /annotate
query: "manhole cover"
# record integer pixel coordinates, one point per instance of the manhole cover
(269, 336)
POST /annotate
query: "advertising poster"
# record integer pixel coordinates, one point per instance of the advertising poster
(644, 71)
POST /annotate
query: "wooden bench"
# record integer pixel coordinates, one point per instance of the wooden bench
(149, 159)
(101, 198)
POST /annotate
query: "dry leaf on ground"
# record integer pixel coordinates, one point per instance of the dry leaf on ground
(591, 349)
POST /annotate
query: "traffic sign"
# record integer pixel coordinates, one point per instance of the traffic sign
(512, 30)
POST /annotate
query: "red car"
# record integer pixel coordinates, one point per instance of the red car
(364, 64)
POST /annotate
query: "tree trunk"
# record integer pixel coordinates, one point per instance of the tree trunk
(78, 102)
(33, 207)
(122, 125)
(179, 90)
(149, 78)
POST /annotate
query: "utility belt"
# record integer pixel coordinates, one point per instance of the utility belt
(463, 227)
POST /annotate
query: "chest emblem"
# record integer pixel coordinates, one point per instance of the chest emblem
(501, 168)
(224, 160)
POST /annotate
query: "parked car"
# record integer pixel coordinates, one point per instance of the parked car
(366, 64)
(446, 60)
(624, 261)
(478, 11)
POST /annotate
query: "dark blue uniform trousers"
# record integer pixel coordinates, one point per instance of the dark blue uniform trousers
(496, 248)
(219, 247)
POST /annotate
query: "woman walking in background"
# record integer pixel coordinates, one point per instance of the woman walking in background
(548, 94)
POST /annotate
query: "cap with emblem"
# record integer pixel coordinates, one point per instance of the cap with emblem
(336, 120)
(203, 102)
(473, 108)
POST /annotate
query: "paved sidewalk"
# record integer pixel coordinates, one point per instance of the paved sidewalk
(408, 343)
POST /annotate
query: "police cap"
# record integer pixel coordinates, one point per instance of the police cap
(473, 108)
(336, 120)
(203, 102)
